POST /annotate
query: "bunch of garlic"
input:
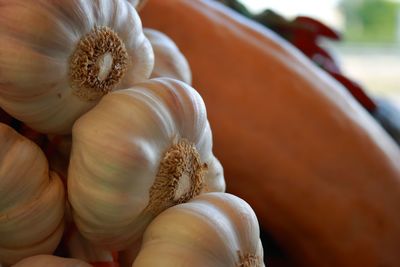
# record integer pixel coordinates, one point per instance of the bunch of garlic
(135, 140)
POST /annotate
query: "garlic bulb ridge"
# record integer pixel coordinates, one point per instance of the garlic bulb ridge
(138, 152)
(58, 58)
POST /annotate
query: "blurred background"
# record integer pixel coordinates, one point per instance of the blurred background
(369, 52)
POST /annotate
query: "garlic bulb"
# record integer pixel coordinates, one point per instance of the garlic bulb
(168, 59)
(213, 230)
(138, 152)
(58, 58)
(50, 261)
(32, 200)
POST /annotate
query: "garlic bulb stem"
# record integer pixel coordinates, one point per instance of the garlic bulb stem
(248, 260)
(105, 63)
(98, 63)
(180, 177)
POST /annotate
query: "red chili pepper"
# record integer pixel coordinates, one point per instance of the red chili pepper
(317, 27)
(113, 263)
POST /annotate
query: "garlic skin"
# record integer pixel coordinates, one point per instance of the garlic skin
(58, 58)
(138, 152)
(32, 200)
(168, 59)
(50, 261)
(213, 230)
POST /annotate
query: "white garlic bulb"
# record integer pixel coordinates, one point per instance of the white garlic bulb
(138, 152)
(168, 59)
(213, 230)
(31, 200)
(58, 58)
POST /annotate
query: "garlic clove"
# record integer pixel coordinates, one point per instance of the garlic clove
(9, 256)
(23, 169)
(29, 223)
(169, 60)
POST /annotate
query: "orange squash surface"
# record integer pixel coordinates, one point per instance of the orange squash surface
(322, 176)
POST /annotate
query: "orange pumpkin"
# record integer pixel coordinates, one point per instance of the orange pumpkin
(322, 176)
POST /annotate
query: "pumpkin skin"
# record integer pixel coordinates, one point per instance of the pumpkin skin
(322, 176)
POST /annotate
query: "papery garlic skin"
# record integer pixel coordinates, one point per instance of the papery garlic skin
(213, 230)
(168, 59)
(58, 58)
(50, 261)
(128, 148)
(31, 200)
